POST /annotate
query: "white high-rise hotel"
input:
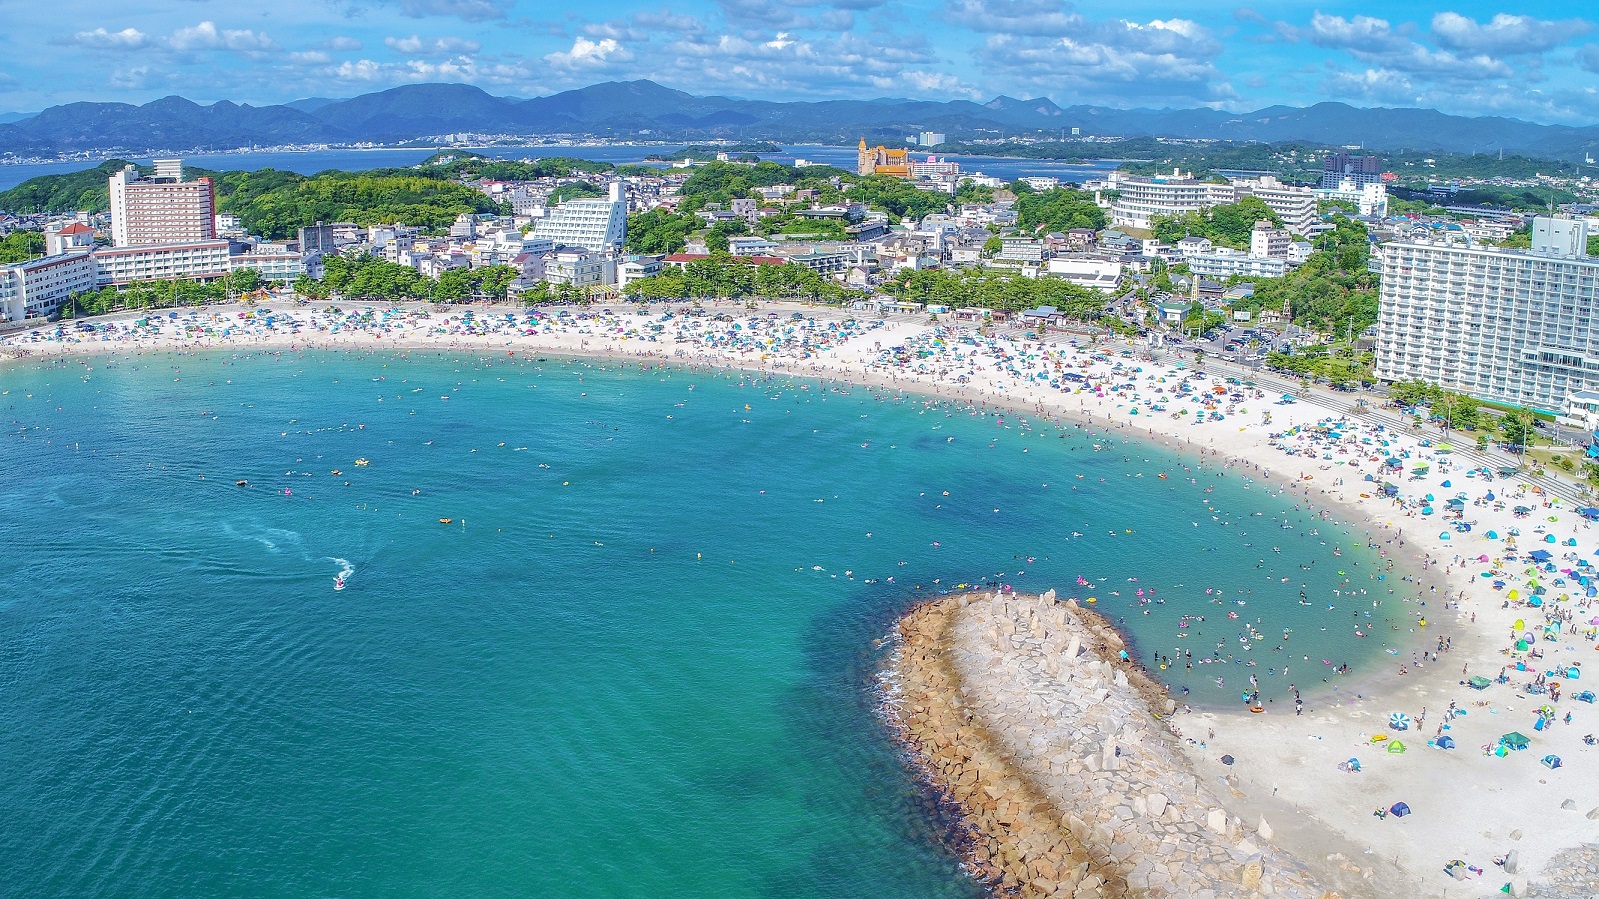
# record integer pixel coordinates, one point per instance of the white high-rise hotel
(1513, 326)
(162, 208)
(597, 224)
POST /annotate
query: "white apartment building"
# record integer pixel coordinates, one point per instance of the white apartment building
(1218, 263)
(1144, 199)
(1296, 206)
(592, 223)
(1370, 198)
(162, 209)
(272, 261)
(1041, 183)
(1085, 271)
(1512, 326)
(202, 260)
(933, 167)
(1020, 249)
(38, 287)
(579, 268)
(1266, 241)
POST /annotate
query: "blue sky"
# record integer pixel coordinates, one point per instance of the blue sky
(1469, 57)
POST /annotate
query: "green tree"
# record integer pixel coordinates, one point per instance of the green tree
(1227, 225)
(659, 231)
(1517, 426)
(971, 192)
(20, 246)
(1061, 209)
(716, 238)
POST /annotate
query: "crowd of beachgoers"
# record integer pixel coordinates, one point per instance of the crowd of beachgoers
(1467, 758)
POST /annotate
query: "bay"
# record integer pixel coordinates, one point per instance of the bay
(312, 161)
(637, 661)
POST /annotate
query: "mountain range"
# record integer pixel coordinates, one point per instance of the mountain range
(645, 109)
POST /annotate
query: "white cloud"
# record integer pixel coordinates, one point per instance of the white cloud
(469, 10)
(1588, 58)
(310, 57)
(131, 78)
(126, 39)
(1162, 60)
(1018, 17)
(342, 43)
(443, 46)
(207, 36)
(1504, 34)
(1375, 41)
(361, 70)
(589, 54)
(461, 69)
(1365, 33)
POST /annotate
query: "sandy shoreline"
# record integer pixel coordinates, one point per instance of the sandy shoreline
(1287, 763)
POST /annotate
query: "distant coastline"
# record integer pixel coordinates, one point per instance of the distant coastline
(308, 161)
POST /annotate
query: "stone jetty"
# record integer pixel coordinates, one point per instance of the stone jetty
(1026, 713)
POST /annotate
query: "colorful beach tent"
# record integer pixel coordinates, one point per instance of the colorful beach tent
(1550, 761)
(1399, 810)
(1478, 682)
(1515, 740)
(1445, 742)
(1396, 747)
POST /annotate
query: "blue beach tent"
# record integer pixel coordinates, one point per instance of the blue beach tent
(1399, 810)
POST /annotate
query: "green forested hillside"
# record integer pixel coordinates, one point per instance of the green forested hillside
(275, 204)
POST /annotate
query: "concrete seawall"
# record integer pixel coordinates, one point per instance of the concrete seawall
(1021, 711)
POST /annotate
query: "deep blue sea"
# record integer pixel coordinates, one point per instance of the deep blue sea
(637, 661)
(311, 162)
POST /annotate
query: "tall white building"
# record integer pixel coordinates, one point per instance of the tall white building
(161, 209)
(598, 224)
(1268, 242)
(1143, 199)
(1370, 198)
(1512, 326)
(1296, 206)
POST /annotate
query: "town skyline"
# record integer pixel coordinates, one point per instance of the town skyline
(1466, 58)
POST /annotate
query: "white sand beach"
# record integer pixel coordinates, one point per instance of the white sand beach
(1472, 803)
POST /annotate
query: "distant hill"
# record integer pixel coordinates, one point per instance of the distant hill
(644, 108)
(310, 103)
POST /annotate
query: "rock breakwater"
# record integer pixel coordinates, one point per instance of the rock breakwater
(1024, 711)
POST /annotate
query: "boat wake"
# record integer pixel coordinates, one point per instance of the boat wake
(345, 570)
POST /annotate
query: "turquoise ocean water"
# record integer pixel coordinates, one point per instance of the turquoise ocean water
(638, 662)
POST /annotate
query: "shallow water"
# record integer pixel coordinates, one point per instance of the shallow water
(643, 670)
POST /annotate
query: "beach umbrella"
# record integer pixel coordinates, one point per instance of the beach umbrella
(1515, 740)
(1227, 760)
(1399, 721)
